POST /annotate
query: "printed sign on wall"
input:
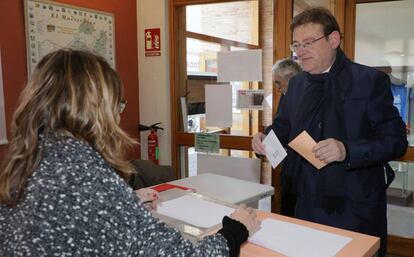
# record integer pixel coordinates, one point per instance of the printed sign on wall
(152, 42)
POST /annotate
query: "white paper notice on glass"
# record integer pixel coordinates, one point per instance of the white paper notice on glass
(3, 133)
(269, 100)
(219, 106)
(194, 210)
(250, 99)
(275, 152)
(245, 65)
(298, 241)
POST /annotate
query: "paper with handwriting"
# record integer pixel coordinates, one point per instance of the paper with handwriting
(275, 153)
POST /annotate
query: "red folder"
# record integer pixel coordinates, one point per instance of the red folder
(166, 186)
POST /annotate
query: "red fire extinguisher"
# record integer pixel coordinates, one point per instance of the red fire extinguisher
(153, 152)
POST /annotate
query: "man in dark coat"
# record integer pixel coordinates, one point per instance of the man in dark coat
(348, 109)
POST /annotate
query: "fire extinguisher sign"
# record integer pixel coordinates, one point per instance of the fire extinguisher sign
(152, 42)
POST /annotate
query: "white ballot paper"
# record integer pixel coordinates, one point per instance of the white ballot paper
(242, 65)
(275, 152)
(194, 210)
(218, 106)
(298, 241)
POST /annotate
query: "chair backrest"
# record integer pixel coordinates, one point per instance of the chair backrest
(150, 174)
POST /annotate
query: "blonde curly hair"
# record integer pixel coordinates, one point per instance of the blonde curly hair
(70, 93)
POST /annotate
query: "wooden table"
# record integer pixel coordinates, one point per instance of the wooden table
(361, 245)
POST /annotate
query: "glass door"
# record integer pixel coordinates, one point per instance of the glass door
(199, 32)
(384, 39)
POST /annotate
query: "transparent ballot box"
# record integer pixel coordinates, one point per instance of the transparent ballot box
(193, 214)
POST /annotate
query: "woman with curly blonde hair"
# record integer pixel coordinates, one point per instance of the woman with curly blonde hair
(62, 186)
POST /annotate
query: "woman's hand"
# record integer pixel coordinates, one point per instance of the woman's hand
(247, 216)
(149, 198)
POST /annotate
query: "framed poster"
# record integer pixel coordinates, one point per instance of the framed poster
(51, 26)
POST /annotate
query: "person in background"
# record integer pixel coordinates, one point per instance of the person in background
(282, 71)
(63, 189)
(347, 108)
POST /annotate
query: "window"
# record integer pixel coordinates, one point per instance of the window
(384, 39)
(201, 31)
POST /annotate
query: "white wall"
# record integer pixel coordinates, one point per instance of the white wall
(369, 49)
(153, 72)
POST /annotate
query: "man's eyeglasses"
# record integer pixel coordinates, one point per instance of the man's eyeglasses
(122, 105)
(294, 47)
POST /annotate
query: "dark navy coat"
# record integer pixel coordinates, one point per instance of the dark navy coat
(375, 135)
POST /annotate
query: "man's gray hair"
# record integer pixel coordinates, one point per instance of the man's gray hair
(286, 67)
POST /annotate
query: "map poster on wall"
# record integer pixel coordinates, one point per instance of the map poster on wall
(51, 26)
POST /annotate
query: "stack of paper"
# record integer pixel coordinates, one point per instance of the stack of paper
(297, 241)
(195, 211)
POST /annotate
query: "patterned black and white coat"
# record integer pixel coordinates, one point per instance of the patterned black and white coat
(76, 205)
